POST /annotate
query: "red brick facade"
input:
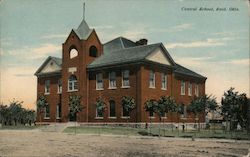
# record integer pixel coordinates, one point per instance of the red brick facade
(86, 80)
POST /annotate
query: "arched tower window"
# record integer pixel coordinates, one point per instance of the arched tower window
(73, 53)
(93, 51)
(72, 83)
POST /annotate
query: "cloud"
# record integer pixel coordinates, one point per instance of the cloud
(182, 27)
(34, 53)
(244, 62)
(172, 29)
(205, 43)
(54, 36)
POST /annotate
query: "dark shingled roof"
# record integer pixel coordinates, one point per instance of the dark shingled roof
(182, 70)
(124, 55)
(117, 44)
(83, 31)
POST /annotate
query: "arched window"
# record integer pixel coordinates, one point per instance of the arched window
(73, 53)
(93, 51)
(72, 83)
(112, 108)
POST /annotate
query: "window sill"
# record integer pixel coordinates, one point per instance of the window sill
(152, 87)
(46, 93)
(125, 117)
(72, 90)
(112, 117)
(99, 89)
(163, 88)
(58, 117)
(152, 117)
(183, 118)
(112, 88)
(182, 94)
(46, 118)
(164, 117)
(98, 117)
(125, 86)
(59, 92)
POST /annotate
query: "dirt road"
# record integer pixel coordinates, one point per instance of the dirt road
(36, 143)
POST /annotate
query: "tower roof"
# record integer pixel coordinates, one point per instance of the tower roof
(83, 31)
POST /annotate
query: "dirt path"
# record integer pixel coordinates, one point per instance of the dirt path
(36, 144)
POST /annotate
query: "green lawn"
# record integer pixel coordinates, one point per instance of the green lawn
(157, 132)
(18, 127)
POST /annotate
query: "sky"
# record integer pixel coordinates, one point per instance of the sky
(212, 43)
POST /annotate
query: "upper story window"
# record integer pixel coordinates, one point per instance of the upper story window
(47, 87)
(125, 78)
(196, 90)
(163, 81)
(73, 53)
(72, 83)
(112, 80)
(59, 88)
(151, 79)
(99, 81)
(182, 87)
(93, 51)
(189, 88)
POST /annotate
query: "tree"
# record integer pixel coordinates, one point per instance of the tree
(128, 103)
(100, 105)
(75, 105)
(234, 108)
(41, 104)
(165, 105)
(16, 111)
(150, 106)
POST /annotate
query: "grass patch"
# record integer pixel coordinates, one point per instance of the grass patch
(220, 134)
(18, 127)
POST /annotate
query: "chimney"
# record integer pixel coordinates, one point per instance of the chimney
(141, 42)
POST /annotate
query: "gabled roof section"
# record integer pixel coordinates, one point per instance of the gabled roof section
(117, 44)
(46, 68)
(83, 31)
(184, 71)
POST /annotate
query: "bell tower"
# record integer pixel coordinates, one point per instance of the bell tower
(81, 47)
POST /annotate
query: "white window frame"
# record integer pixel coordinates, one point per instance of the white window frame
(183, 88)
(99, 77)
(59, 86)
(47, 87)
(114, 81)
(196, 90)
(151, 82)
(73, 84)
(124, 117)
(96, 114)
(164, 81)
(127, 79)
(190, 89)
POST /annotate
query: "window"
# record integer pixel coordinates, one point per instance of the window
(47, 87)
(93, 51)
(58, 111)
(125, 113)
(196, 90)
(151, 113)
(99, 113)
(112, 80)
(125, 78)
(46, 112)
(112, 108)
(151, 79)
(163, 81)
(73, 53)
(99, 81)
(182, 87)
(72, 83)
(189, 88)
(183, 111)
(59, 90)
